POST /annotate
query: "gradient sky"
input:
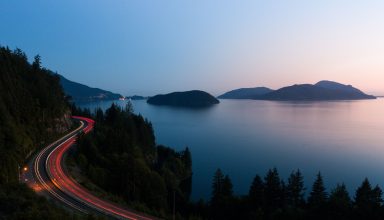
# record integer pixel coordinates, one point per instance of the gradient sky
(149, 47)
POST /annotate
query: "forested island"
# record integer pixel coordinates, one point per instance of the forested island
(321, 91)
(246, 93)
(194, 98)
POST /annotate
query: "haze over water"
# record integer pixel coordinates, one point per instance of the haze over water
(342, 139)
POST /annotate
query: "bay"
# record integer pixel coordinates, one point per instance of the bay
(342, 139)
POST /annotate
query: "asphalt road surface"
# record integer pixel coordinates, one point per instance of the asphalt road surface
(46, 176)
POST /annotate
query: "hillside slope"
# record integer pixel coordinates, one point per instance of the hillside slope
(308, 92)
(246, 93)
(80, 92)
(33, 110)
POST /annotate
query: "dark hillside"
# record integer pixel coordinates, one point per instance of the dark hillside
(246, 93)
(308, 92)
(80, 92)
(194, 98)
(33, 110)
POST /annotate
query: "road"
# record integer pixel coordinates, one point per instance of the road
(46, 175)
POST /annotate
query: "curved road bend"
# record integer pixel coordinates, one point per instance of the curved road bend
(46, 174)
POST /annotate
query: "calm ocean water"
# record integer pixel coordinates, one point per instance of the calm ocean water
(342, 139)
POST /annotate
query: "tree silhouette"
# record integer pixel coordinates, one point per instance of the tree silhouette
(273, 190)
(377, 196)
(222, 196)
(368, 201)
(340, 203)
(221, 187)
(129, 107)
(186, 183)
(318, 196)
(36, 62)
(295, 189)
(217, 186)
(317, 199)
(256, 192)
(227, 190)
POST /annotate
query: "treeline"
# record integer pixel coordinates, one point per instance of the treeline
(273, 198)
(121, 157)
(32, 112)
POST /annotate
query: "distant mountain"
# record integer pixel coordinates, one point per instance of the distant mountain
(338, 86)
(246, 93)
(194, 98)
(136, 97)
(80, 92)
(323, 90)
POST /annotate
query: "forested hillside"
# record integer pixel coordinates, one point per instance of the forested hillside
(33, 110)
(82, 93)
(121, 156)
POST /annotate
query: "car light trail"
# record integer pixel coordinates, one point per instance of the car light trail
(64, 188)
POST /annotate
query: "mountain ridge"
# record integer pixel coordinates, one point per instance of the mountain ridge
(245, 93)
(322, 90)
(81, 92)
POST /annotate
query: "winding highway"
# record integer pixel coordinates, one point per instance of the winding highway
(46, 175)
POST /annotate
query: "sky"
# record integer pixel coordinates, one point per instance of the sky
(149, 47)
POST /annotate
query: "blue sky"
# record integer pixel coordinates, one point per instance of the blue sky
(149, 47)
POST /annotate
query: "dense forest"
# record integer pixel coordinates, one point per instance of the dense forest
(121, 156)
(33, 111)
(273, 198)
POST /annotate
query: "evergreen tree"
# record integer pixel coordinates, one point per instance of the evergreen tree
(317, 199)
(318, 196)
(256, 192)
(129, 107)
(36, 62)
(363, 196)
(19, 53)
(368, 201)
(227, 190)
(186, 184)
(273, 191)
(99, 115)
(377, 198)
(186, 157)
(340, 203)
(295, 189)
(217, 186)
(222, 201)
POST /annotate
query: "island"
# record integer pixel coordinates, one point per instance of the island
(194, 98)
(245, 93)
(321, 91)
(136, 97)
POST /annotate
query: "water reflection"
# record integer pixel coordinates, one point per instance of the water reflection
(342, 139)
